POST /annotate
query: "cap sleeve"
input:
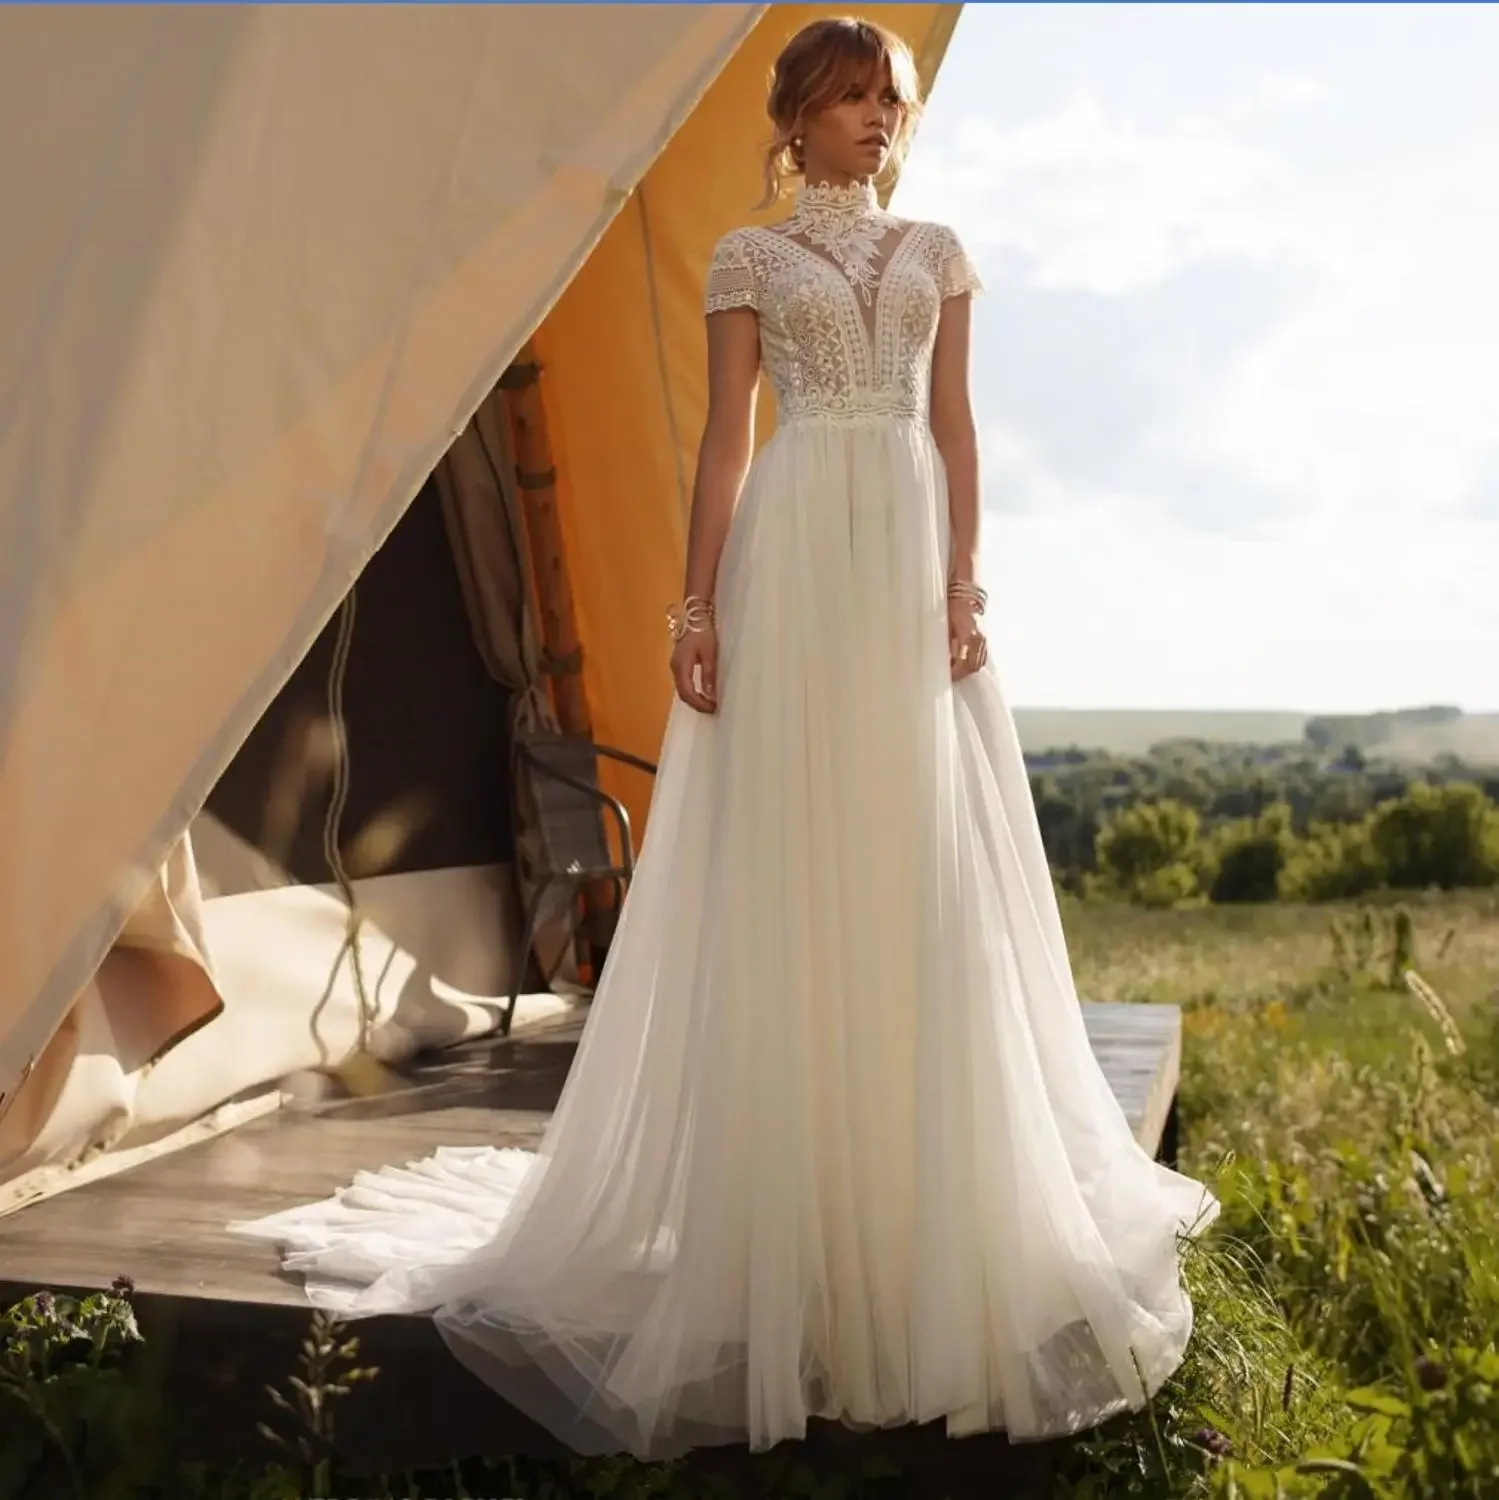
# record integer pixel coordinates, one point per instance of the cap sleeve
(956, 274)
(732, 281)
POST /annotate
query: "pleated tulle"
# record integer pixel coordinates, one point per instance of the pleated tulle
(835, 1142)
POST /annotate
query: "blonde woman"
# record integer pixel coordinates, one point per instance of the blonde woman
(834, 1143)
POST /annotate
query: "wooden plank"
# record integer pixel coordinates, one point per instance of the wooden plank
(233, 1322)
(47, 1182)
(163, 1222)
(1139, 1049)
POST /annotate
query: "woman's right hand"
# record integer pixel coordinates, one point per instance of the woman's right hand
(694, 669)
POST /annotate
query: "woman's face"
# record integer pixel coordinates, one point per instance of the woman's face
(852, 137)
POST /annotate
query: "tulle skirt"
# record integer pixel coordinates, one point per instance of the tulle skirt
(835, 1142)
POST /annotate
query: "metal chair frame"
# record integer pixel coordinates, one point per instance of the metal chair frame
(587, 865)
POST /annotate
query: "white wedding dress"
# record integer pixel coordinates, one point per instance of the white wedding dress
(834, 1142)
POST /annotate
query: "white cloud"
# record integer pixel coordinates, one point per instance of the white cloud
(1479, 499)
(1239, 362)
(1092, 200)
(1279, 90)
(1093, 606)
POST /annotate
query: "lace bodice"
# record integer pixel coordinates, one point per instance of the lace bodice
(848, 298)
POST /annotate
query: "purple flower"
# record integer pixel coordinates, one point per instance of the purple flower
(1210, 1440)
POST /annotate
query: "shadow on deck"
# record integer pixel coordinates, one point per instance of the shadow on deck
(233, 1324)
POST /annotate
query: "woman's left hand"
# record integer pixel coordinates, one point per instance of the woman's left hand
(967, 649)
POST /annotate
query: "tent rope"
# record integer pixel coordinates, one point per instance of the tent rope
(338, 802)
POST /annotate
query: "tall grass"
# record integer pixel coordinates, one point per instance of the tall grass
(1341, 1091)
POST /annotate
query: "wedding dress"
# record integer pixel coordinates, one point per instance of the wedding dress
(834, 1142)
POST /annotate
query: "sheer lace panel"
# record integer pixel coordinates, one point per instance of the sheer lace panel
(732, 277)
(956, 274)
(861, 261)
(848, 308)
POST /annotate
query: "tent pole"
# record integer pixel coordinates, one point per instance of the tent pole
(562, 651)
(536, 476)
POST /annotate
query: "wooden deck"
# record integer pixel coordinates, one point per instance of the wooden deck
(235, 1319)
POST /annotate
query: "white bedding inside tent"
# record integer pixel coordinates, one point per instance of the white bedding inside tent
(435, 949)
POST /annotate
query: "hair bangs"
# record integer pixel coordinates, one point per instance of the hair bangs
(817, 68)
(854, 56)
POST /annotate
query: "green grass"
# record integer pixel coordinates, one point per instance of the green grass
(1349, 1300)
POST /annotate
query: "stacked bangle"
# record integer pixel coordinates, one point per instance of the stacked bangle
(970, 593)
(693, 614)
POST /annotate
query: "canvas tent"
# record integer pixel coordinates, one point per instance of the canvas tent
(262, 265)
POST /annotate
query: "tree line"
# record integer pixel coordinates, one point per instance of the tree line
(1194, 820)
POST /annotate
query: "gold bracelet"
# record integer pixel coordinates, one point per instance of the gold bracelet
(970, 593)
(693, 615)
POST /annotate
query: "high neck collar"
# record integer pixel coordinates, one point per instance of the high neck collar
(833, 205)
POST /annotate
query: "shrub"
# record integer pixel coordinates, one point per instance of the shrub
(1334, 862)
(1446, 836)
(1249, 856)
(1149, 853)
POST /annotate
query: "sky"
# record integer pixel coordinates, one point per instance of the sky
(1236, 366)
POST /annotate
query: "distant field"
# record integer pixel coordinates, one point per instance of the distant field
(1474, 738)
(1124, 731)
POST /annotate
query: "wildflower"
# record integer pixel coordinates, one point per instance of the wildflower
(1210, 1440)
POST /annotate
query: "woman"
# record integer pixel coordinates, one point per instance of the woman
(834, 1143)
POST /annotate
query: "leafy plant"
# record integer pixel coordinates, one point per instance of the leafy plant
(75, 1425)
(329, 1372)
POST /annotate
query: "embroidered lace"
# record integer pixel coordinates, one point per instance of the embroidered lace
(848, 297)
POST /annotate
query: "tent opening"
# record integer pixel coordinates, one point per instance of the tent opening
(425, 725)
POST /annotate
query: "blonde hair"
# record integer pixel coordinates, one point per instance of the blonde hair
(815, 69)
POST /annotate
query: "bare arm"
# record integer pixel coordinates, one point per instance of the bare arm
(956, 439)
(728, 437)
(722, 460)
(954, 433)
